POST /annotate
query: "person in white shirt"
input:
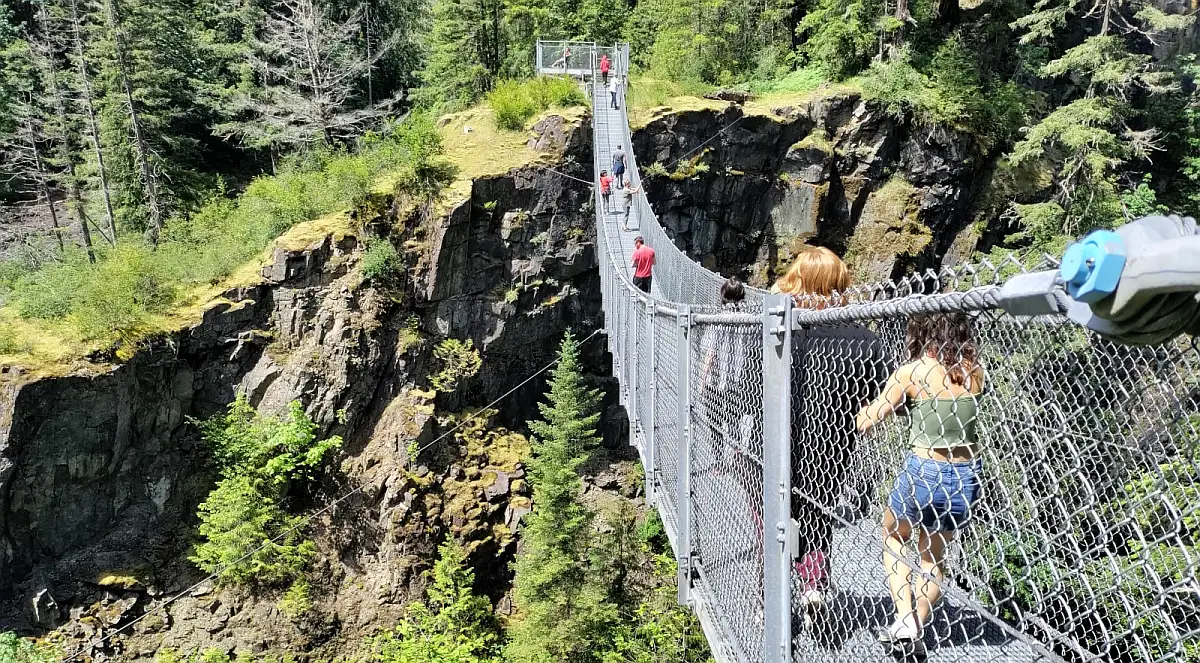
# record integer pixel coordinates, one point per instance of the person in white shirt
(613, 85)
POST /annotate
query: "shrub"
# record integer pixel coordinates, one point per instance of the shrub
(511, 106)
(380, 260)
(949, 92)
(258, 457)
(514, 102)
(15, 649)
(11, 341)
(296, 601)
(460, 360)
(117, 300)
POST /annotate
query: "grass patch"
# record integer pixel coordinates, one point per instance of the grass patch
(514, 103)
(477, 148)
(650, 91)
(801, 80)
(135, 290)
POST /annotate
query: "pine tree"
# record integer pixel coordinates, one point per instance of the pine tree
(28, 139)
(467, 51)
(149, 65)
(561, 589)
(452, 625)
(310, 67)
(85, 99)
(1089, 138)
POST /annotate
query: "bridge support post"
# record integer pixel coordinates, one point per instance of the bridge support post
(651, 469)
(683, 483)
(635, 360)
(777, 478)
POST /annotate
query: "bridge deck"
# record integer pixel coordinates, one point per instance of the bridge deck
(860, 605)
(610, 127)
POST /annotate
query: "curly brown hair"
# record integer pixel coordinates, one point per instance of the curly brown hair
(947, 337)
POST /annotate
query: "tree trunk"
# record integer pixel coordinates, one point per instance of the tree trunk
(44, 187)
(65, 151)
(139, 140)
(93, 126)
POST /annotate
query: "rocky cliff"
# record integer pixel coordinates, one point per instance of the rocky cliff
(101, 469)
(743, 189)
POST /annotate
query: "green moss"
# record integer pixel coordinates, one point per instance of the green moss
(889, 226)
(816, 140)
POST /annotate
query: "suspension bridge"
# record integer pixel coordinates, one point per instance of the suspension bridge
(1082, 547)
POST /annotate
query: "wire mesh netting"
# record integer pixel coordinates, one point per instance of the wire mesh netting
(726, 470)
(565, 57)
(1043, 501)
(1034, 483)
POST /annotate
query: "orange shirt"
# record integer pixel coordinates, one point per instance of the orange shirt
(606, 183)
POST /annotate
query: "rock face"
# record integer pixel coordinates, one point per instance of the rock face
(807, 175)
(101, 471)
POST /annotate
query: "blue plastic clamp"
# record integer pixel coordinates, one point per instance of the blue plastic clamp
(1092, 267)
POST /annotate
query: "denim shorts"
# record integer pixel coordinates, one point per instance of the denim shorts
(935, 494)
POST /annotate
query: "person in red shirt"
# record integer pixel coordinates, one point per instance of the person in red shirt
(643, 264)
(606, 182)
(604, 66)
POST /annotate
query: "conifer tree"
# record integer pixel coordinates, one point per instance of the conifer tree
(561, 589)
(310, 67)
(149, 65)
(467, 50)
(82, 88)
(452, 625)
(1087, 139)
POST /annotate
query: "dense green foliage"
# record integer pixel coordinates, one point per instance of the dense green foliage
(14, 649)
(583, 595)
(117, 297)
(247, 534)
(515, 102)
(144, 118)
(452, 624)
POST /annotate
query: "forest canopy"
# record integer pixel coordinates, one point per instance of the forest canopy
(128, 125)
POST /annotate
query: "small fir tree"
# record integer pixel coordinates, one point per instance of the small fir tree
(561, 588)
(452, 625)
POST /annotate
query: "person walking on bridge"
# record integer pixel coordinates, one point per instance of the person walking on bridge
(627, 193)
(604, 67)
(606, 187)
(837, 368)
(643, 264)
(612, 92)
(618, 164)
(934, 493)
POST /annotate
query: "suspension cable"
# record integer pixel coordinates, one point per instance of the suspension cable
(711, 139)
(309, 518)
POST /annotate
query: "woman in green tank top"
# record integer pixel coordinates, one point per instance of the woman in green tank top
(934, 492)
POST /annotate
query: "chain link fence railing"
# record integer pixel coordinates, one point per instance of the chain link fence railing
(911, 474)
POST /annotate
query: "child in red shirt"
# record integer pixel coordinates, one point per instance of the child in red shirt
(606, 181)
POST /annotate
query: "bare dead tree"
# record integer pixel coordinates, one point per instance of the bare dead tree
(141, 147)
(87, 101)
(25, 145)
(65, 125)
(309, 66)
